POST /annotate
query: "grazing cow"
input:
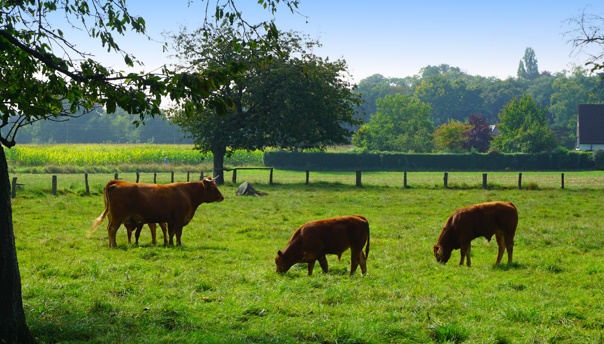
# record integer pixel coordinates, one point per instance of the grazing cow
(131, 225)
(315, 239)
(485, 219)
(174, 204)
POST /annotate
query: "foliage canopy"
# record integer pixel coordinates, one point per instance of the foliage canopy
(523, 127)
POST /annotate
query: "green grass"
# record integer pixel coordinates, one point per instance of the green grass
(220, 286)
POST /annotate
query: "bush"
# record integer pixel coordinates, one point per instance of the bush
(598, 158)
(492, 161)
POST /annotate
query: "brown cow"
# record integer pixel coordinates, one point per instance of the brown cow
(485, 219)
(174, 204)
(315, 239)
(131, 225)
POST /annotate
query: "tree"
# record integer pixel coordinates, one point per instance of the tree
(377, 86)
(479, 134)
(42, 70)
(569, 89)
(587, 36)
(449, 137)
(449, 97)
(528, 68)
(523, 127)
(401, 124)
(295, 100)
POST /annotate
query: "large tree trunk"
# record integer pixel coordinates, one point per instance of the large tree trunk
(13, 328)
(219, 164)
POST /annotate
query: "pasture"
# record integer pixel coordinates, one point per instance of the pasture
(221, 285)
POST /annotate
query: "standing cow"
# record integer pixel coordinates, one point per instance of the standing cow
(315, 239)
(485, 219)
(174, 204)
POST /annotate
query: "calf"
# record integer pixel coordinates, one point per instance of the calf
(131, 225)
(485, 219)
(316, 239)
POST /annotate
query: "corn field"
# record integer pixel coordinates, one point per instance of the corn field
(119, 154)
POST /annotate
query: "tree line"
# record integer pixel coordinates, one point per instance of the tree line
(447, 96)
(99, 127)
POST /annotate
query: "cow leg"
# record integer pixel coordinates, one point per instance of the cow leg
(500, 246)
(137, 234)
(171, 231)
(129, 227)
(178, 230)
(465, 252)
(354, 260)
(112, 228)
(164, 230)
(468, 255)
(153, 229)
(509, 245)
(363, 262)
(323, 263)
(311, 265)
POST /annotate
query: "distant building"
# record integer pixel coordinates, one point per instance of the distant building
(590, 127)
(494, 130)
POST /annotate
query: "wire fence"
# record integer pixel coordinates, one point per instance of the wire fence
(94, 182)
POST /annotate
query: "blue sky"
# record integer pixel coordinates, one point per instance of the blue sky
(397, 38)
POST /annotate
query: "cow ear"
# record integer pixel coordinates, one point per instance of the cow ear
(279, 253)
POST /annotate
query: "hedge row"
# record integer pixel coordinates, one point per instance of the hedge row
(320, 161)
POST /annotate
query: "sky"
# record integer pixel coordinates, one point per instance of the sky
(394, 38)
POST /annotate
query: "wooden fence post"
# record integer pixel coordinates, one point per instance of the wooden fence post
(484, 181)
(446, 179)
(307, 176)
(270, 180)
(234, 176)
(86, 182)
(13, 190)
(137, 176)
(563, 180)
(54, 185)
(172, 178)
(405, 180)
(520, 181)
(187, 176)
(154, 177)
(201, 176)
(359, 178)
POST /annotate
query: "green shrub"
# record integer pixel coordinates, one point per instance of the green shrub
(598, 158)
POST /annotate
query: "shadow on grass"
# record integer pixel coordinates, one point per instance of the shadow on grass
(512, 266)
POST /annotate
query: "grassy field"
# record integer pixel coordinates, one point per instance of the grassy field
(220, 286)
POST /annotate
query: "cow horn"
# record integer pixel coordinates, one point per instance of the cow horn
(215, 177)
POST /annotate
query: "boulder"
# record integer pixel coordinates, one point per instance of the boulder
(245, 189)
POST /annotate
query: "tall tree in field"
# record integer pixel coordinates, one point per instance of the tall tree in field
(292, 100)
(45, 77)
(479, 134)
(401, 124)
(528, 68)
(524, 128)
(449, 137)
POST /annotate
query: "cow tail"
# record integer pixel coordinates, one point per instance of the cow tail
(97, 222)
(367, 247)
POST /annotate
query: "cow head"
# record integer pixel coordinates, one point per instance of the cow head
(442, 255)
(212, 192)
(282, 262)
